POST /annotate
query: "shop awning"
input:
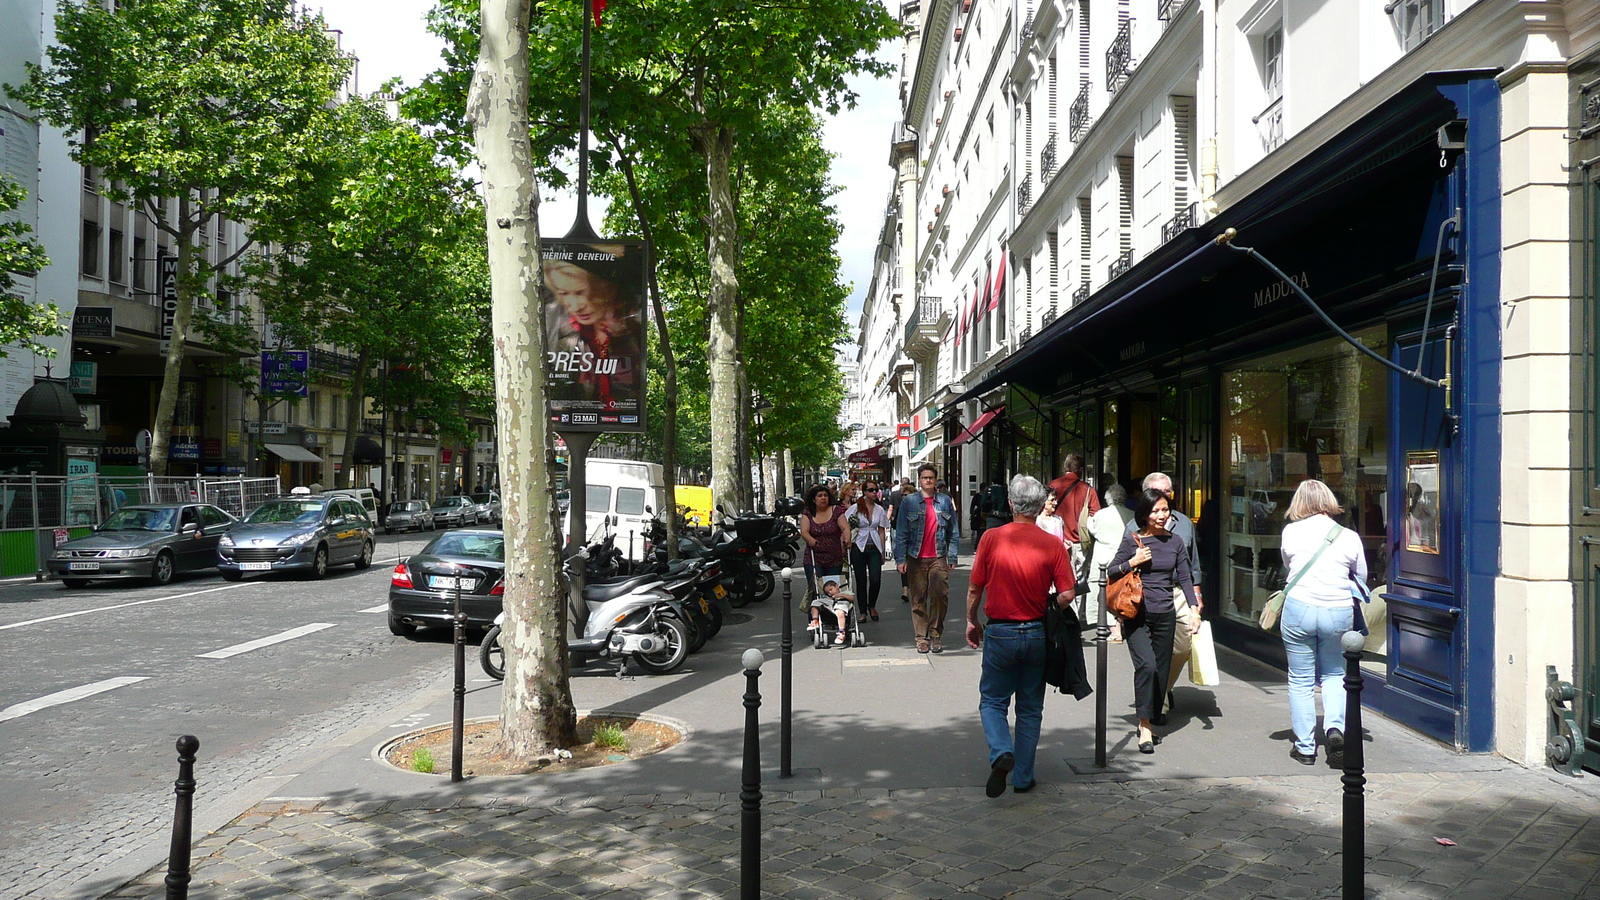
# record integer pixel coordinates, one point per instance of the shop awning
(291, 453)
(926, 451)
(978, 425)
(368, 452)
(872, 456)
(1192, 297)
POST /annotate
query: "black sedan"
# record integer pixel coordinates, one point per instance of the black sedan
(424, 588)
(152, 541)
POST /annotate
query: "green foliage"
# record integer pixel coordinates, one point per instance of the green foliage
(22, 322)
(422, 760)
(610, 737)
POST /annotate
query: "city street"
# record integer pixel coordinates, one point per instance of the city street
(99, 682)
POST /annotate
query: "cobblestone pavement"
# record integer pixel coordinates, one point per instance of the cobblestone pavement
(1517, 835)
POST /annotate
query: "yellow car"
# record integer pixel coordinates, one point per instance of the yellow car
(695, 503)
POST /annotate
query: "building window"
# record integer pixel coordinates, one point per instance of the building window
(141, 263)
(1416, 20)
(1319, 411)
(1269, 122)
(89, 250)
(116, 259)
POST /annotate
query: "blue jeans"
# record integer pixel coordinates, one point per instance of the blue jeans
(1311, 639)
(1013, 663)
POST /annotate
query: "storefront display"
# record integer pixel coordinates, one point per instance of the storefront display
(1318, 411)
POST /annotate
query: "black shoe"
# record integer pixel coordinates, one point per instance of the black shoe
(1336, 760)
(1335, 740)
(997, 774)
(873, 613)
(1301, 758)
(1024, 788)
(1147, 747)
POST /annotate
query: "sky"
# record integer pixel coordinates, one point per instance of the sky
(390, 39)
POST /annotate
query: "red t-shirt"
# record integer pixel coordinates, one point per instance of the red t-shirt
(930, 528)
(1017, 564)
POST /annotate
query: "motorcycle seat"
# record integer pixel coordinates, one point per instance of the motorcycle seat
(612, 588)
(680, 566)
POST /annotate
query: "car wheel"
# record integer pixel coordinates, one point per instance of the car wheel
(75, 582)
(319, 563)
(399, 628)
(366, 556)
(231, 574)
(162, 570)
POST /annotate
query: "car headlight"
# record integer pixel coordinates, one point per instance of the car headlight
(61, 554)
(301, 538)
(225, 541)
(132, 553)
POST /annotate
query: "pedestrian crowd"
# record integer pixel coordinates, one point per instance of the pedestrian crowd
(1038, 548)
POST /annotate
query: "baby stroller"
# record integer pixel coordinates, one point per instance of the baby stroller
(827, 631)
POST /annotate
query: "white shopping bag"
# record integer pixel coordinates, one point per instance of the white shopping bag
(1203, 658)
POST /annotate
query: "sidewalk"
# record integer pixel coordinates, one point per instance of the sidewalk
(887, 801)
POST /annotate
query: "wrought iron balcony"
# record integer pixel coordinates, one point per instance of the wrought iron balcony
(1166, 9)
(1270, 123)
(1417, 20)
(1027, 26)
(1050, 315)
(1025, 195)
(1078, 115)
(1081, 294)
(1119, 58)
(1047, 160)
(922, 328)
(1121, 264)
(1179, 223)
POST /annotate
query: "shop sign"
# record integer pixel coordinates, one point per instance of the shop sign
(446, 456)
(84, 377)
(187, 449)
(484, 446)
(169, 294)
(283, 372)
(266, 427)
(902, 431)
(1280, 289)
(119, 454)
(94, 322)
(211, 448)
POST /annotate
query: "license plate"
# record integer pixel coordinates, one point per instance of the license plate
(719, 590)
(705, 606)
(255, 567)
(83, 567)
(445, 582)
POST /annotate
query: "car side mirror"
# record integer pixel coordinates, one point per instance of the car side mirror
(189, 528)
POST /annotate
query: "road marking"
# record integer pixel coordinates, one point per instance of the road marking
(380, 608)
(85, 612)
(257, 644)
(67, 696)
(878, 663)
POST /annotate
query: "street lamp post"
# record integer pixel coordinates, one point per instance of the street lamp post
(762, 406)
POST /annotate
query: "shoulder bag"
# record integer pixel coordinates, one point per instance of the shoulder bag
(1274, 607)
(1125, 593)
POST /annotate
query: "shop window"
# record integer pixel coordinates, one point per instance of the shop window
(1319, 411)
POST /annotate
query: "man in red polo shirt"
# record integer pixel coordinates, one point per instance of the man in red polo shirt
(1017, 566)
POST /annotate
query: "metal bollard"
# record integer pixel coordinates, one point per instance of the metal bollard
(182, 820)
(458, 717)
(1354, 778)
(750, 792)
(1102, 635)
(786, 706)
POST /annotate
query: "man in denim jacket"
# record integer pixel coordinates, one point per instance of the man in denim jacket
(927, 537)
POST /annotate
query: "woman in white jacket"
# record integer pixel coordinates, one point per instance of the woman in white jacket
(1106, 527)
(1324, 561)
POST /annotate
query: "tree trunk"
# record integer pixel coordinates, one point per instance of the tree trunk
(669, 362)
(356, 407)
(172, 374)
(536, 711)
(723, 351)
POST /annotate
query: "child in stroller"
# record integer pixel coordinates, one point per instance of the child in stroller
(843, 606)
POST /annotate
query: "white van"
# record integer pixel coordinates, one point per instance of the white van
(363, 496)
(623, 488)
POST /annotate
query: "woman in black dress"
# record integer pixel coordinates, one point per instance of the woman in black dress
(1162, 561)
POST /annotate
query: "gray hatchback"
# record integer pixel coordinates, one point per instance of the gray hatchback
(303, 533)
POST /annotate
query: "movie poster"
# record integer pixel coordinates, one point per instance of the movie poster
(594, 317)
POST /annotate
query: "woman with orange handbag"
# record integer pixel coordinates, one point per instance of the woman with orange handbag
(1162, 563)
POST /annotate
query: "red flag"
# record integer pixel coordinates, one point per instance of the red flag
(599, 7)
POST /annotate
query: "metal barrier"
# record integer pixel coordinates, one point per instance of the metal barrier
(39, 512)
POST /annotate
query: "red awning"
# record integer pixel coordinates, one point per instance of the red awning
(998, 287)
(976, 428)
(871, 456)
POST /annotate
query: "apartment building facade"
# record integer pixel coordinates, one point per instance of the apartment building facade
(1423, 171)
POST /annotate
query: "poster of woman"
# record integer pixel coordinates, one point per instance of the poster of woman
(594, 295)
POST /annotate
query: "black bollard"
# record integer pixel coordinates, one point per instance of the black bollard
(1354, 778)
(1102, 635)
(182, 820)
(458, 719)
(785, 708)
(750, 793)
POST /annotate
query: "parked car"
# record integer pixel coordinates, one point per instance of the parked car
(408, 515)
(305, 533)
(422, 590)
(364, 496)
(488, 507)
(454, 512)
(147, 540)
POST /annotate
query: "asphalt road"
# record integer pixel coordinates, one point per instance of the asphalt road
(99, 682)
